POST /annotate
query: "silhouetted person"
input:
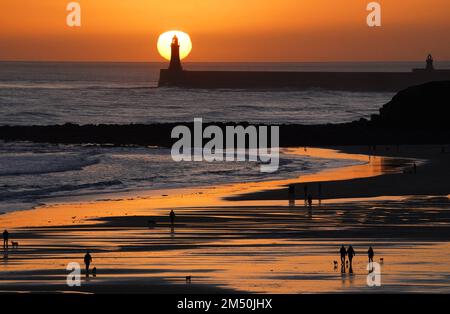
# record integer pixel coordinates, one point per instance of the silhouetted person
(343, 253)
(320, 193)
(350, 254)
(5, 239)
(291, 191)
(430, 66)
(87, 262)
(371, 254)
(172, 217)
(310, 200)
(305, 191)
(291, 194)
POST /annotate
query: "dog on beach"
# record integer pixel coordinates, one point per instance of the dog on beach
(15, 244)
(188, 279)
(94, 272)
(335, 264)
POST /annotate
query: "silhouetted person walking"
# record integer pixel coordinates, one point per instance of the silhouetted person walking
(371, 254)
(172, 217)
(320, 193)
(5, 239)
(305, 191)
(291, 194)
(291, 191)
(343, 253)
(87, 262)
(350, 254)
(310, 200)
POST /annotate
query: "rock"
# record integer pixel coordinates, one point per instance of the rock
(419, 107)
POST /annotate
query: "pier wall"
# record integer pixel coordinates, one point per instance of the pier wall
(354, 81)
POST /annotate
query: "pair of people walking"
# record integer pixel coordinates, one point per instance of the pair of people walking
(350, 253)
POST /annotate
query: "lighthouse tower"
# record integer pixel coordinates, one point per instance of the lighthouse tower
(175, 62)
(430, 66)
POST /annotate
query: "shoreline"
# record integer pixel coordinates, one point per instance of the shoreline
(330, 162)
(433, 171)
(230, 246)
(199, 196)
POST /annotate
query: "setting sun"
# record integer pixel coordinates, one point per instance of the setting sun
(165, 40)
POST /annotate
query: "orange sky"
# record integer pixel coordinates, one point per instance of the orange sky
(226, 30)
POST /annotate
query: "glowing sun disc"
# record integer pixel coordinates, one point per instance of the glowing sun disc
(165, 40)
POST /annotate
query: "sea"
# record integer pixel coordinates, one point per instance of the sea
(47, 93)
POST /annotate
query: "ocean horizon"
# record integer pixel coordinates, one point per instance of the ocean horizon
(42, 93)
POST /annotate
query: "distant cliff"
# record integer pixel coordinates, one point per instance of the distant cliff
(416, 115)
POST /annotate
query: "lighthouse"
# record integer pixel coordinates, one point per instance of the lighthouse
(175, 62)
(430, 66)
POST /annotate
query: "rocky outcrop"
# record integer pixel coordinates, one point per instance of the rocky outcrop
(419, 107)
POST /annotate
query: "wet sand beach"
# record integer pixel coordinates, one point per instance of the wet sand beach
(246, 237)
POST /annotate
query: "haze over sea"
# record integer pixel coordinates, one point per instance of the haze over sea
(120, 93)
